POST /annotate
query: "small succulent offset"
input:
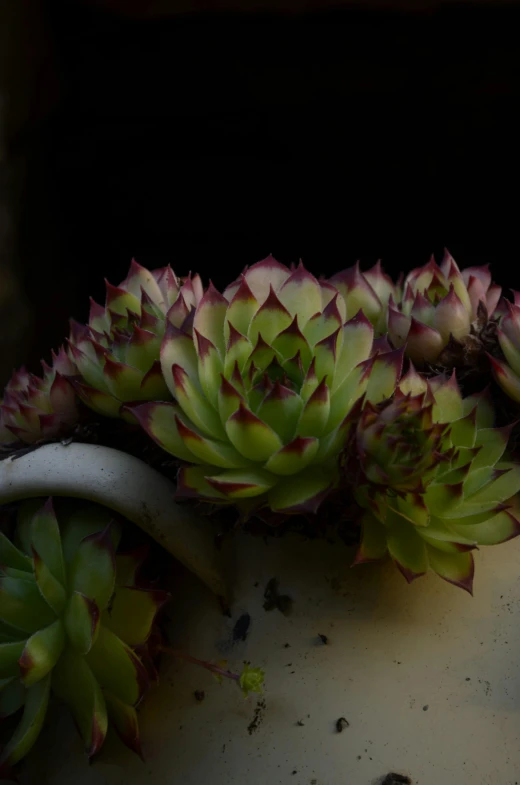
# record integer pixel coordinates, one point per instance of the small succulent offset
(434, 479)
(35, 408)
(507, 371)
(263, 387)
(117, 353)
(439, 305)
(72, 622)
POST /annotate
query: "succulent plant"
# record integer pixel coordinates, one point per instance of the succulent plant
(440, 306)
(263, 389)
(370, 291)
(432, 475)
(117, 353)
(35, 408)
(507, 371)
(71, 620)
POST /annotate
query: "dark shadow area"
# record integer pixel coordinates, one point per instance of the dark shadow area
(208, 142)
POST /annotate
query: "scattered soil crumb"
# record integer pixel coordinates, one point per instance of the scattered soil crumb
(273, 599)
(425, 708)
(199, 695)
(300, 723)
(396, 779)
(257, 718)
(294, 771)
(323, 638)
(341, 724)
(241, 628)
(287, 645)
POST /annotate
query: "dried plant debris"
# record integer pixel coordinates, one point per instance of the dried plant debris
(396, 779)
(341, 724)
(273, 599)
(257, 717)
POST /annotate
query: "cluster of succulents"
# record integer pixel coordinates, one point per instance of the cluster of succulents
(77, 621)
(272, 396)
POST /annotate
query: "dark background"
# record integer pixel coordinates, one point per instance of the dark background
(209, 141)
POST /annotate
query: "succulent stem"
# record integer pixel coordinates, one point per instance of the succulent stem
(124, 484)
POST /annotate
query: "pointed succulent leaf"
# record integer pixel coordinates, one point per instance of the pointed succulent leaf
(41, 653)
(210, 316)
(448, 400)
(92, 571)
(373, 545)
(498, 528)
(301, 294)
(236, 484)
(129, 564)
(407, 548)
(210, 451)
(124, 719)
(12, 697)
(463, 431)
(83, 519)
(192, 484)
(25, 735)
(10, 653)
(46, 541)
(82, 619)
(456, 568)
(506, 378)
(133, 612)
(302, 492)
(117, 668)
(210, 367)
(384, 376)
(251, 436)
(241, 310)
(280, 410)
(194, 405)
(97, 400)
(263, 275)
(504, 484)
(178, 348)
(315, 415)
(493, 442)
(74, 682)
(270, 319)
(22, 606)
(12, 557)
(160, 421)
(294, 457)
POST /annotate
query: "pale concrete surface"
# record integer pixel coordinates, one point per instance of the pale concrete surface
(427, 677)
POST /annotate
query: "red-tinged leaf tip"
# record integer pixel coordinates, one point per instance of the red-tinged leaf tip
(244, 416)
(243, 294)
(292, 330)
(272, 303)
(331, 311)
(179, 377)
(204, 345)
(235, 337)
(321, 394)
(227, 487)
(96, 739)
(269, 263)
(212, 296)
(408, 574)
(300, 274)
(360, 318)
(279, 392)
(298, 446)
(310, 506)
(463, 583)
(330, 343)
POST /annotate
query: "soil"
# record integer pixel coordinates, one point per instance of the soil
(396, 779)
(257, 717)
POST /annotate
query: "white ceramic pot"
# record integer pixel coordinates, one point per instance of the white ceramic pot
(427, 677)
